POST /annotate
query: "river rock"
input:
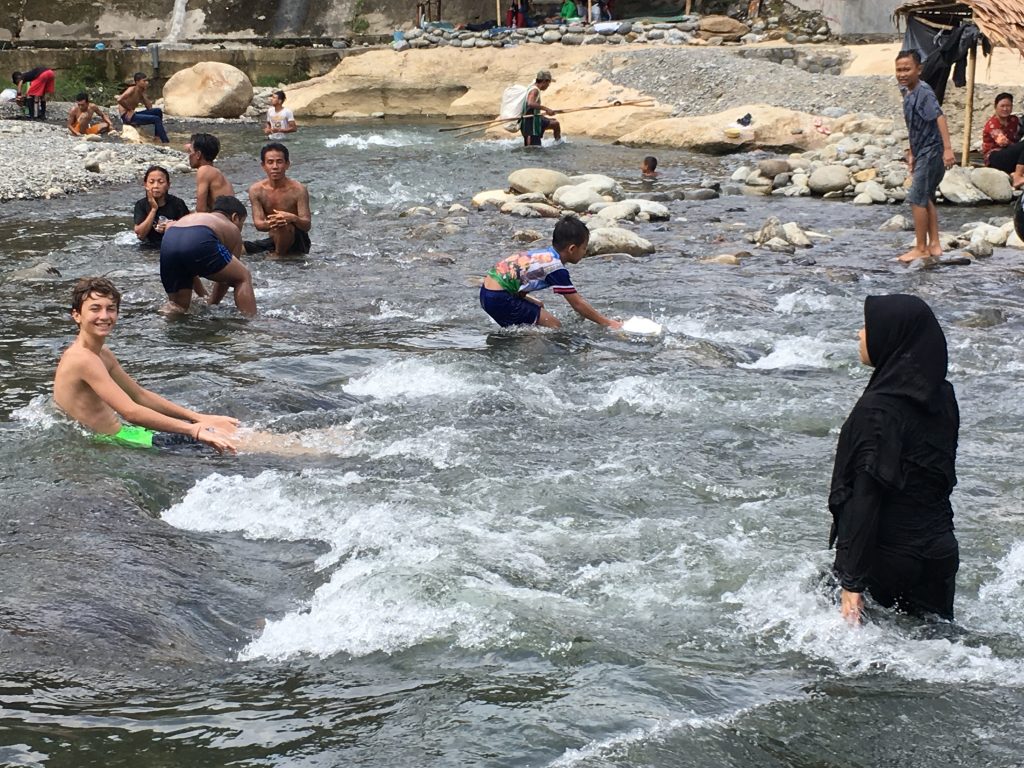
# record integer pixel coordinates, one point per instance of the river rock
(520, 209)
(416, 210)
(537, 180)
(898, 223)
(772, 167)
(457, 208)
(41, 271)
(617, 240)
(492, 197)
(956, 187)
(795, 235)
(532, 197)
(723, 258)
(993, 183)
(208, 89)
(603, 185)
(741, 173)
(991, 234)
(655, 211)
(627, 209)
(130, 135)
(829, 178)
(546, 211)
(727, 28)
(779, 245)
(576, 197)
(772, 228)
(527, 236)
(980, 249)
(863, 198)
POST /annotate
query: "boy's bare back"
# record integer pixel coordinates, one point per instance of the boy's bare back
(211, 183)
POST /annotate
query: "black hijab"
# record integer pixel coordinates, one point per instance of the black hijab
(907, 349)
(907, 391)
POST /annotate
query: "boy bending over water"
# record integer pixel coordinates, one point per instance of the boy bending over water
(92, 388)
(504, 294)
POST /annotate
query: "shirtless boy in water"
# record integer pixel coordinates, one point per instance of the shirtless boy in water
(280, 205)
(92, 388)
(211, 183)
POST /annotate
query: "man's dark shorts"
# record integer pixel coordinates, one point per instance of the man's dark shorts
(508, 309)
(300, 245)
(928, 172)
(534, 140)
(188, 252)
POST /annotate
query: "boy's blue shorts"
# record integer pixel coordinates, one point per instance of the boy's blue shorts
(508, 309)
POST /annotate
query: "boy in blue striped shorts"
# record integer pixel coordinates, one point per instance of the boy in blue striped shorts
(929, 156)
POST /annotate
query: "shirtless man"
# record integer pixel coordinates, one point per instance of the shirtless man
(92, 388)
(132, 96)
(206, 245)
(80, 118)
(280, 205)
(211, 183)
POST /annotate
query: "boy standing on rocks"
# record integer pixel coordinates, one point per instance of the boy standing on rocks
(929, 156)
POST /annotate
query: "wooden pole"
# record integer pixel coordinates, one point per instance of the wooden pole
(972, 62)
(689, 7)
(587, 20)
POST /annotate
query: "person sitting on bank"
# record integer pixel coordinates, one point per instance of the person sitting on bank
(532, 124)
(82, 115)
(505, 293)
(1001, 143)
(130, 99)
(92, 388)
(38, 83)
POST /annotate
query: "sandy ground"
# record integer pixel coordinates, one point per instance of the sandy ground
(1004, 67)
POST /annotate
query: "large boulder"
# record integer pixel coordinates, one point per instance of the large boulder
(956, 187)
(627, 209)
(829, 178)
(993, 183)
(492, 197)
(537, 180)
(617, 240)
(576, 197)
(603, 185)
(727, 28)
(208, 89)
(773, 128)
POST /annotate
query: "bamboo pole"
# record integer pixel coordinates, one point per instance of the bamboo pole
(689, 7)
(497, 13)
(497, 120)
(972, 63)
(587, 20)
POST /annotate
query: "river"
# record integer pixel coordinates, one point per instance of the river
(511, 548)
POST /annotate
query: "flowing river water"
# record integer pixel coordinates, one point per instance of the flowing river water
(511, 548)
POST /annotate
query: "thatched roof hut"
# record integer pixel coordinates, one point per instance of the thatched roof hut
(1001, 21)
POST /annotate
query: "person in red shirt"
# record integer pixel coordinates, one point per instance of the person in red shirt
(1001, 142)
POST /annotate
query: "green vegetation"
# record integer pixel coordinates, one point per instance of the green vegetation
(357, 24)
(269, 81)
(87, 77)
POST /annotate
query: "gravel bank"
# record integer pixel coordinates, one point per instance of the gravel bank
(43, 160)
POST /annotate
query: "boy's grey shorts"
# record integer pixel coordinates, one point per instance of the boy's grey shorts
(928, 172)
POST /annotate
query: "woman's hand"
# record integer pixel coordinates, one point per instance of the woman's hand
(852, 607)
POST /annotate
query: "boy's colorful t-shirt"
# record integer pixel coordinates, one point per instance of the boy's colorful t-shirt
(530, 271)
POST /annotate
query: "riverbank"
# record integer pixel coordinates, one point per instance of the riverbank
(698, 92)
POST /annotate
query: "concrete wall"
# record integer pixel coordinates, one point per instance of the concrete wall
(855, 17)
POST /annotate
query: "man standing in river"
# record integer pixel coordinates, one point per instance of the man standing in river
(280, 206)
(532, 125)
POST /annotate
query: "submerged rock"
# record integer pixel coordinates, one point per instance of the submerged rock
(537, 180)
(617, 240)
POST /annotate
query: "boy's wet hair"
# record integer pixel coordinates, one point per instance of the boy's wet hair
(152, 168)
(229, 205)
(81, 96)
(206, 144)
(15, 77)
(1001, 96)
(274, 146)
(650, 162)
(280, 95)
(87, 286)
(569, 231)
(909, 53)
(139, 76)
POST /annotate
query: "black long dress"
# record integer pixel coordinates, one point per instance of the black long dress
(895, 466)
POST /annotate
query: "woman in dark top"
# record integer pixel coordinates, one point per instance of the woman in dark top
(895, 468)
(158, 207)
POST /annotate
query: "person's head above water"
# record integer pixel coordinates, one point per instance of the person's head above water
(906, 346)
(649, 165)
(570, 239)
(231, 207)
(204, 145)
(87, 287)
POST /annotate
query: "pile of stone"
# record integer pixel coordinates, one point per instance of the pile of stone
(695, 30)
(812, 60)
(596, 199)
(863, 160)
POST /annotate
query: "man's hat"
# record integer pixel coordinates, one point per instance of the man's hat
(545, 75)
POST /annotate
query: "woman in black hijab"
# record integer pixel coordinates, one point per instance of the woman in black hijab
(892, 524)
